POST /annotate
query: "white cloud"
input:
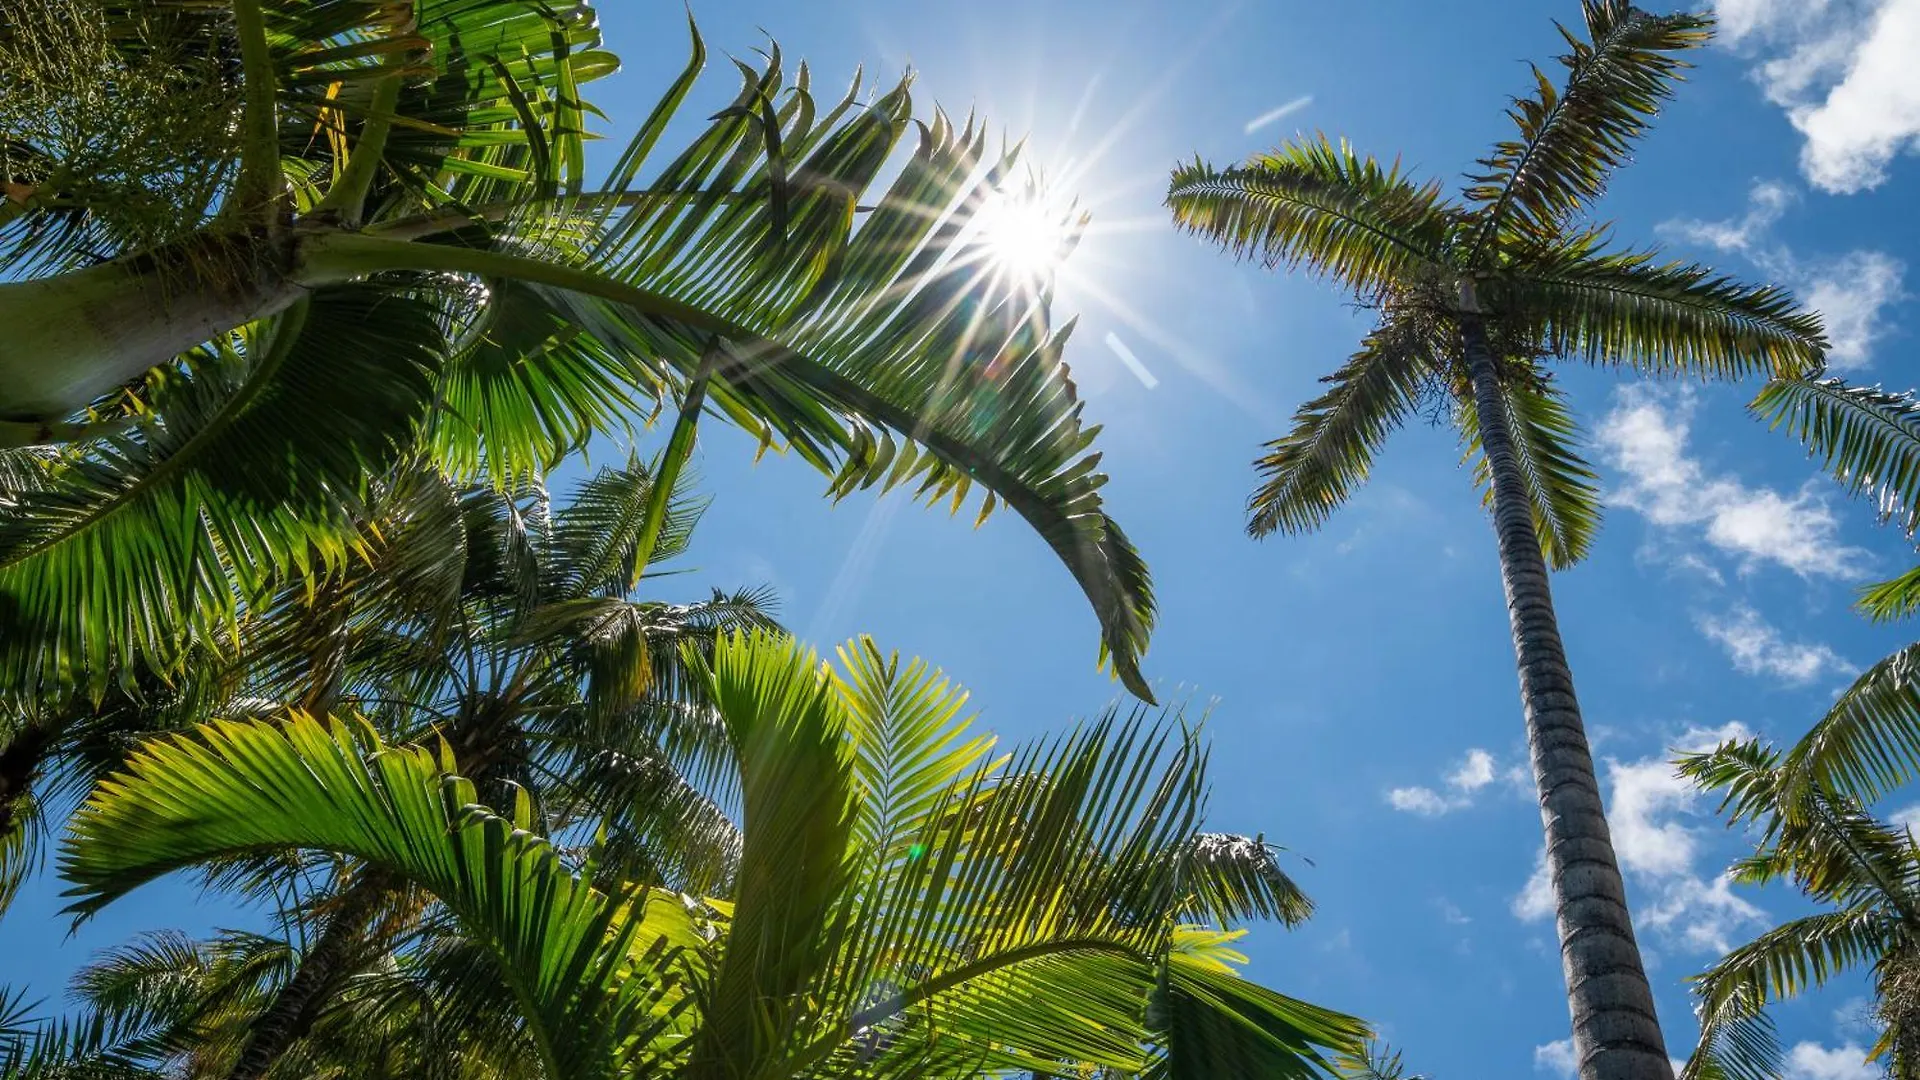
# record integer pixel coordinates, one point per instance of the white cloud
(1419, 800)
(1476, 771)
(1811, 1061)
(1645, 437)
(1843, 70)
(1648, 807)
(1556, 1058)
(1757, 648)
(1451, 912)
(1534, 902)
(1849, 291)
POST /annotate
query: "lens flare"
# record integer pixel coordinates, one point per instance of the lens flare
(1024, 236)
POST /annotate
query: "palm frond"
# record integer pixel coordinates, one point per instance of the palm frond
(1895, 598)
(1737, 1042)
(564, 946)
(1231, 879)
(887, 354)
(1561, 487)
(1317, 466)
(1868, 742)
(144, 544)
(1790, 958)
(1662, 318)
(1868, 438)
(1572, 138)
(1320, 205)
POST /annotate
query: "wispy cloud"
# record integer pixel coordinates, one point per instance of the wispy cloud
(1851, 291)
(1648, 806)
(1477, 771)
(1645, 438)
(1843, 70)
(1278, 113)
(1756, 647)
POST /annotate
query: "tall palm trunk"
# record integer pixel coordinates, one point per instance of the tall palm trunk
(1616, 1034)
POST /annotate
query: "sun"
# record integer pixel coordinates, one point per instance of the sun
(1024, 236)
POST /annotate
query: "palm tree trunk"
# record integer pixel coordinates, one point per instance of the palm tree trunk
(294, 1008)
(1616, 1034)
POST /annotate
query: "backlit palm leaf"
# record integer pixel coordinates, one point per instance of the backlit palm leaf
(143, 544)
(1572, 137)
(1317, 466)
(1321, 205)
(1561, 486)
(1868, 438)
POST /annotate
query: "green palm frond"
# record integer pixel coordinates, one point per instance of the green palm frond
(1662, 318)
(1320, 205)
(1222, 1025)
(910, 744)
(144, 544)
(887, 354)
(1561, 487)
(565, 947)
(1573, 137)
(1868, 742)
(1895, 598)
(1737, 1042)
(1791, 958)
(797, 814)
(1318, 465)
(597, 532)
(1868, 438)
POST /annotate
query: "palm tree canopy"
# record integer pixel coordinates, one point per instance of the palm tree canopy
(1512, 255)
(906, 900)
(1866, 874)
(809, 262)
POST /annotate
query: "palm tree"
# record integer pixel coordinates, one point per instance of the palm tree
(906, 900)
(252, 251)
(487, 619)
(1475, 297)
(1866, 873)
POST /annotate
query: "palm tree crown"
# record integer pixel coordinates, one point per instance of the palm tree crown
(1513, 253)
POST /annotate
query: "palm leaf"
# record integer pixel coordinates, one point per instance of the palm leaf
(1662, 318)
(1737, 1042)
(1317, 466)
(1561, 486)
(565, 948)
(1572, 138)
(1322, 206)
(1868, 438)
(1792, 957)
(144, 544)
(1868, 743)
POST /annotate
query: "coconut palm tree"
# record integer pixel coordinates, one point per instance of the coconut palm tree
(512, 631)
(906, 900)
(1865, 873)
(252, 251)
(1476, 297)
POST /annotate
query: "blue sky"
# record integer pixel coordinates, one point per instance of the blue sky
(1363, 704)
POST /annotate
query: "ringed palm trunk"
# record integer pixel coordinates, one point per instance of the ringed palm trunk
(1616, 1034)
